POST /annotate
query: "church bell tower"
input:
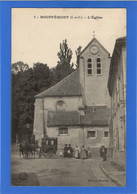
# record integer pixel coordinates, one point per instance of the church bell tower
(94, 70)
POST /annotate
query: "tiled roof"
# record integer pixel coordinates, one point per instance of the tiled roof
(69, 86)
(60, 118)
(98, 117)
(95, 116)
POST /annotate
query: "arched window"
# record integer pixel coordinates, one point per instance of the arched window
(99, 66)
(89, 66)
(60, 105)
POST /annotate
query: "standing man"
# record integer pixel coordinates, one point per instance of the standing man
(65, 150)
(103, 152)
(70, 151)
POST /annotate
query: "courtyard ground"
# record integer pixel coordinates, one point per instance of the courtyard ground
(59, 172)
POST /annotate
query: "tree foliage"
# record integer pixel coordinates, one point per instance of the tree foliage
(25, 85)
(41, 76)
(27, 82)
(19, 67)
(64, 65)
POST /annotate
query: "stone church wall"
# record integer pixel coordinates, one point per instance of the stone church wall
(42, 106)
(74, 136)
(71, 103)
(78, 136)
(38, 127)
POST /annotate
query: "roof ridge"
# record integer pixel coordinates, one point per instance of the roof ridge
(58, 83)
(54, 111)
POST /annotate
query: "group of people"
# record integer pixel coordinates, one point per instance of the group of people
(82, 153)
(77, 152)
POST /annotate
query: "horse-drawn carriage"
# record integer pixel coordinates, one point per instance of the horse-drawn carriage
(49, 145)
(30, 147)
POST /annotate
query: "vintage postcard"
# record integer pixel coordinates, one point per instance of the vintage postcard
(68, 97)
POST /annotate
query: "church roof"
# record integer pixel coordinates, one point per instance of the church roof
(59, 118)
(99, 117)
(69, 86)
(96, 116)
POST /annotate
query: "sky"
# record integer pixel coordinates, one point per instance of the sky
(36, 37)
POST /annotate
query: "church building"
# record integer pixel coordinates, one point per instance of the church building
(76, 110)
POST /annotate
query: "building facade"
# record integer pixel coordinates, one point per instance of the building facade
(117, 90)
(76, 110)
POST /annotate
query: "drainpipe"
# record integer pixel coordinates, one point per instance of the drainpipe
(83, 137)
(44, 127)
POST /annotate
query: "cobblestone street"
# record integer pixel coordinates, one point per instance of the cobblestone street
(63, 171)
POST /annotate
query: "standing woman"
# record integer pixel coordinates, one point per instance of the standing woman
(77, 152)
(83, 154)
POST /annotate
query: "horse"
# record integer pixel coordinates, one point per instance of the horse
(29, 149)
(22, 149)
(32, 149)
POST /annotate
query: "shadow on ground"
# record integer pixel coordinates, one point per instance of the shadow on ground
(25, 179)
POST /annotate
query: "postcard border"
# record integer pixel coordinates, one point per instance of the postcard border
(5, 86)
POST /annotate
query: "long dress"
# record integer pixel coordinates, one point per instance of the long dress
(77, 152)
(83, 154)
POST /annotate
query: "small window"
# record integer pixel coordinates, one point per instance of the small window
(98, 71)
(91, 134)
(98, 66)
(98, 59)
(89, 60)
(106, 133)
(60, 105)
(89, 71)
(89, 66)
(63, 131)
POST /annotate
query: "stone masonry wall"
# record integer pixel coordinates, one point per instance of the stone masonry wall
(78, 136)
(95, 86)
(38, 119)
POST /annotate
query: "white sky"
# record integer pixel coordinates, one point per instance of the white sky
(37, 40)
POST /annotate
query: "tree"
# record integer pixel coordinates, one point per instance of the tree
(19, 67)
(65, 53)
(18, 70)
(64, 65)
(25, 85)
(22, 92)
(41, 76)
